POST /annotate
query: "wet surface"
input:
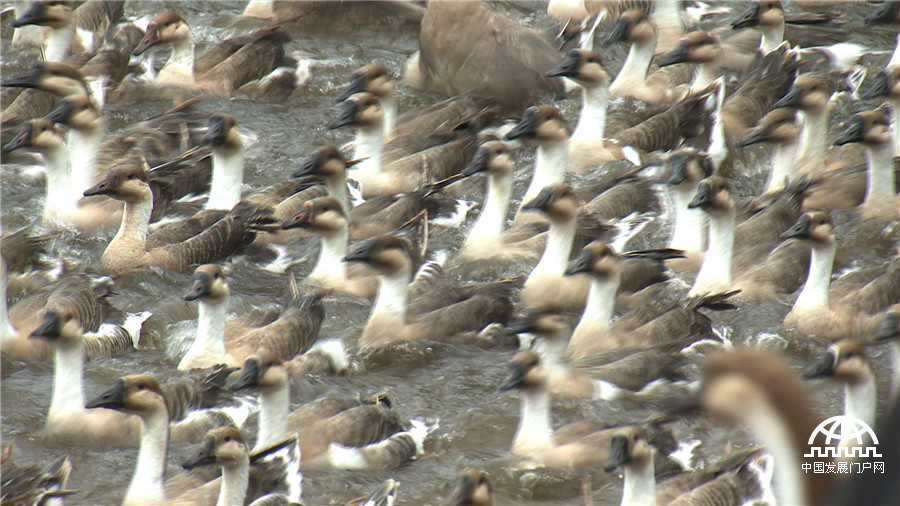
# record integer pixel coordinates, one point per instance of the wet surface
(454, 385)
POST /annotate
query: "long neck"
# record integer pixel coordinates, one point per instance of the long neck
(62, 197)
(687, 232)
(147, 486)
(550, 167)
(815, 292)
(592, 121)
(59, 43)
(639, 487)
(369, 145)
(493, 215)
(775, 434)
(391, 298)
(707, 72)
(814, 136)
(6, 327)
(273, 415)
(637, 63)
(783, 161)
(227, 178)
(771, 37)
(337, 188)
(880, 173)
(552, 350)
(136, 219)
(559, 246)
(83, 149)
(717, 261)
(601, 301)
(234, 483)
(534, 422)
(68, 387)
(334, 249)
(211, 321)
(389, 106)
(860, 399)
(182, 57)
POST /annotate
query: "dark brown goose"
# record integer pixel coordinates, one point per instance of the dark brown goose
(847, 362)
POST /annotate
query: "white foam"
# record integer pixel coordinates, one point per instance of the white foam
(684, 454)
(458, 218)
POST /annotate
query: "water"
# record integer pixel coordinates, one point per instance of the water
(455, 385)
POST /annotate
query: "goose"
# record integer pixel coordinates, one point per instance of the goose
(889, 332)
(371, 427)
(128, 249)
(885, 88)
(221, 69)
(732, 481)
(472, 488)
(847, 361)
(327, 14)
(767, 17)
(449, 313)
(871, 129)
(887, 14)
(685, 168)
(466, 48)
(708, 54)
(24, 255)
(800, 29)
(220, 340)
(854, 315)
(72, 28)
(32, 484)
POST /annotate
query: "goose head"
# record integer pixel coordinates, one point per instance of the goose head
(362, 110)
(262, 370)
(887, 14)
(696, 47)
(540, 124)
(224, 446)
(127, 183)
(583, 66)
(55, 14)
(686, 166)
(713, 196)
(814, 226)
(633, 26)
(388, 254)
(138, 394)
(493, 157)
(165, 28)
(870, 128)
(890, 326)
(845, 361)
(373, 78)
(472, 488)
(598, 259)
(321, 215)
(763, 13)
(809, 93)
(557, 201)
(58, 78)
(78, 112)
(887, 85)
(544, 322)
(38, 135)
(222, 134)
(325, 162)
(59, 326)
(524, 373)
(780, 126)
(208, 284)
(630, 448)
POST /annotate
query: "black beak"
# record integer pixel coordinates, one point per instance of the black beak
(619, 33)
(750, 17)
(249, 376)
(678, 55)
(883, 16)
(300, 220)
(822, 368)
(105, 187)
(581, 263)
(216, 133)
(479, 163)
(799, 230)
(890, 327)
(703, 198)
(28, 80)
(618, 453)
(309, 166)
(201, 287)
(356, 86)
(205, 454)
(794, 98)
(880, 88)
(515, 377)
(677, 165)
(33, 16)
(349, 115)
(568, 68)
(362, 253)
(854, 132)
(541, 202)
(114, 398)
(756, 136)
(62, 114)
(50, 327)
(22, 139)
(527, 126)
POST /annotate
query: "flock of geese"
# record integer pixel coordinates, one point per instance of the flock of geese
(726, 159)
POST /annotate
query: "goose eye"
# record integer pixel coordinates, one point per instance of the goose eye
(141, 386)
(850, 355)
(130, 176)
(228, 439)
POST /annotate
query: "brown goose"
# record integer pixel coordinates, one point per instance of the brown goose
(31, 484)
(685, 168)
(43, 82)
(73, 28)
(870, 128)
(847, 362)
(800, 29)
(885, 88)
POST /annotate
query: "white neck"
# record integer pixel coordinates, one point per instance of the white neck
(534, 422)
(552, 350)
(895, 57)
(772, 37)
(592, 120)
(337, 188)
(84, 146)
(148, 484)
(273, 415)
(334, 249)
(894, 351)
(559, 246)
(136, 219)
(234, 483)
(639, 487)
(210, 340)
(369, 145)
(783, 161)
(716, 267)
(227, 178)
(182, 58)
(706, 73)
(68, 387)
(601, 301)
(881, 173)
(6, 327)
(62, 198)
(550, 167)
(389, 106)
(814, 136)
(59, 43)
(493, 215)
(637, 63)
(687, 231)
(815, 292)
(860, 399)
(391, 298)
(771, 431)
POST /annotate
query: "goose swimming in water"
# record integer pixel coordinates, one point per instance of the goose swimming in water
(871, 129)
(73, 28)
(847, 362)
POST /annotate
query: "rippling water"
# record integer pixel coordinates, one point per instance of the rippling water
(455, 385)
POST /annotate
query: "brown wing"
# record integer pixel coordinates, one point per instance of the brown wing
(251, 62)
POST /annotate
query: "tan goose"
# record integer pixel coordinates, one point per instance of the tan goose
(73, 28)
(871, 129)
(472, 488)
(685, 168)
(858, 310)
(43, 82)
(466, 48)
(32, 484)
(709, 55)
(220, 340)
(886, 88)
(847, 362)
(332, 431)
(776, 26)
(128, 250)
(221, 69)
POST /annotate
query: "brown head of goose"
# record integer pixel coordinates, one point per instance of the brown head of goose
(871, 129)
(59, 79)
(472, 488)
(886, 88)
(767, 16)
(847, 362)
(72, 28)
